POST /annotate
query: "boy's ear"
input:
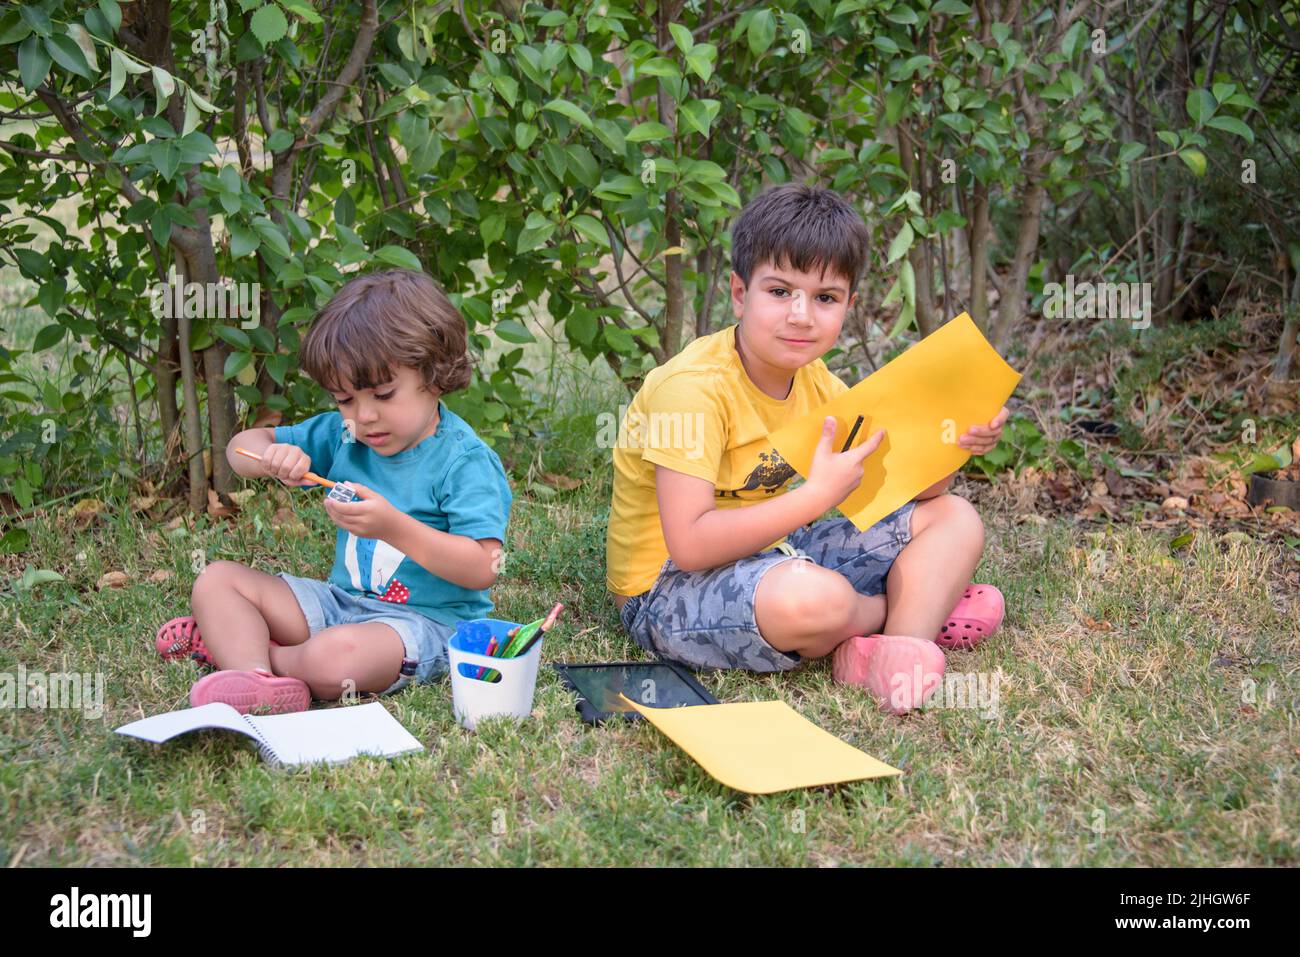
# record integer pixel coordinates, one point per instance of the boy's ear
(737, 294)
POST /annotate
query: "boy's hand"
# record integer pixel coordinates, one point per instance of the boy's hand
(835, 474)
(980, 439)
(286, 462)
(371, 516)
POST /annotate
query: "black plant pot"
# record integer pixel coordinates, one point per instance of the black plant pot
(1265, 490)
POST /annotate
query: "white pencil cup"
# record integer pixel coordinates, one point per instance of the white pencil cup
(475, 698)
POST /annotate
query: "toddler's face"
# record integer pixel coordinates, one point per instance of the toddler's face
(789, 318)
(394, 415)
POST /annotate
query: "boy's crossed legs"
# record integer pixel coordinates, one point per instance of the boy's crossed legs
(902, 577)
(239, 610)
(810, 609)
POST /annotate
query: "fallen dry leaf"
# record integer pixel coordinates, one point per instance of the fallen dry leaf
(286, 521)
(114, 580)
(216, 508)
(1115, 483)
(161, 575)
(85, 511)
(241, 497)
(560, 481)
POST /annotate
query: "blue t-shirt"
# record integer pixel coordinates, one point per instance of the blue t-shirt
(451, 481)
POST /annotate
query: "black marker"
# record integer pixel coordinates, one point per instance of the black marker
(852, 434)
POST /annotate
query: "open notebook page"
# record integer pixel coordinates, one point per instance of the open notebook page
(334, 734)
(163, 727)
(328, 734)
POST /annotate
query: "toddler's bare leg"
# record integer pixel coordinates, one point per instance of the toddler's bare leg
(365, 657)
(934, 568)
(239, 610)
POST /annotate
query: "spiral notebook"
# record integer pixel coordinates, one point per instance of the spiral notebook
(326, 735)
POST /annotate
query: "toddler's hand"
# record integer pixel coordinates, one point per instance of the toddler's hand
(836, 474)
(979, 439)
(286, 462)
(370, 516)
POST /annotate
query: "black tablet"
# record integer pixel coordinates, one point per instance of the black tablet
(652, 684)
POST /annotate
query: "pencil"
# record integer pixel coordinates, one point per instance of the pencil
(310, 476)
(853, 433)
(546, 626)
(491, 649)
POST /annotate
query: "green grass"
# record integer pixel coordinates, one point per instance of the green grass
(1121, 695)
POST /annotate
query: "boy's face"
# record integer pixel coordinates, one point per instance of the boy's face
(789, 318)
(394, 415)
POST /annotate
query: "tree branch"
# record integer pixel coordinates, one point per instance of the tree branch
(69, 121)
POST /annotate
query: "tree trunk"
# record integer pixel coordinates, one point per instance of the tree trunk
(1168, 254)
(193, 429)
(1031, 211)
(202, 261)
(164, 373)
(979, 236)
(918, 255)
(1286, 345)
(674, 298)
(704, 269)
(269, 319)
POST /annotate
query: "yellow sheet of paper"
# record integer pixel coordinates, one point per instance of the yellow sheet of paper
(925, 400)
(762, 747)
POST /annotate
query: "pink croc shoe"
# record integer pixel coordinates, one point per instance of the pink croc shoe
(246, 691)
(977, 615)
(179, 639)
(899, 671)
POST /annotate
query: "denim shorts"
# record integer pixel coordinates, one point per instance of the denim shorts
(706, 619)
(325, 604)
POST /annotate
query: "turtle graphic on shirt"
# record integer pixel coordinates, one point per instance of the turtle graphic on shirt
(770, 474)
(372, 565)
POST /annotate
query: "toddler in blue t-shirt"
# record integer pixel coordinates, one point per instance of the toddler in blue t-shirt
(416, 552)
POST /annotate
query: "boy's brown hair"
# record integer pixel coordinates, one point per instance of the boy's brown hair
(380, 320)
(803, 228)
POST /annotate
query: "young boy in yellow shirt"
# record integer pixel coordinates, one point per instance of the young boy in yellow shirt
(713, 560)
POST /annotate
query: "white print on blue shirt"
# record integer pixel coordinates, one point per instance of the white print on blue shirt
(371, 565)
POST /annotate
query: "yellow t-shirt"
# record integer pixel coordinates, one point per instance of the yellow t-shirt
(699, 414)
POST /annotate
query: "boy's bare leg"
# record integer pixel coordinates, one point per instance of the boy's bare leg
(810, 610)
(935, 567)
(239, 610)
(365, 657)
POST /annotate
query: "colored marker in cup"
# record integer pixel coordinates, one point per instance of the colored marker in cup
(523, 637)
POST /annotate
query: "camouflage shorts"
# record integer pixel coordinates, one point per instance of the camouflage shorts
(706, 619)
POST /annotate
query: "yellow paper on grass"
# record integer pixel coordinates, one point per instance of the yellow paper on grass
(925, 400)
(762, 747)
